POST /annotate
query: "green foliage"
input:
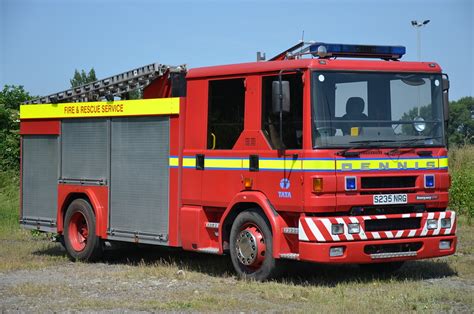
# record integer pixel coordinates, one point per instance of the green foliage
(461, 166)
(12, 96)
(10, 99)
(82, 78)
(136, 94)
(461, 126)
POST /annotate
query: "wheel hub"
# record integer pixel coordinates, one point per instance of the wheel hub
(250, 246)
(78, 231)
(246, 247)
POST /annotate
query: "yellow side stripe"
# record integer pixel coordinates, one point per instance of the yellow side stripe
(314, 164)
(117, 108)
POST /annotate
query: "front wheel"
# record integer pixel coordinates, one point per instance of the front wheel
(251, 246)
(80, 237)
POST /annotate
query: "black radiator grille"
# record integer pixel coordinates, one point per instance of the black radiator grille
(392, 248)
(392, 224)
(388, 182)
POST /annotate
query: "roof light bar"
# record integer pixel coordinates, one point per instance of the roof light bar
(325, 50)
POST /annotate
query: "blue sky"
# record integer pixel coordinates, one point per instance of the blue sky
(42, 42)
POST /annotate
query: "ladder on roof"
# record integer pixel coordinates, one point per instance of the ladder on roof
(115, 86)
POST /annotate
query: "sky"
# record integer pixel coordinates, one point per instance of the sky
(43, 42)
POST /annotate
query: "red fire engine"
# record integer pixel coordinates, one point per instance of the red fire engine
(312, 155)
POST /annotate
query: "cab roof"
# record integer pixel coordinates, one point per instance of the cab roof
(318, 64)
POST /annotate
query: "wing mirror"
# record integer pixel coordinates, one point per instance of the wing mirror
(280, 96)
(445, 96)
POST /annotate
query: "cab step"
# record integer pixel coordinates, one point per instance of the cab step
(210, 250)
(293, 256)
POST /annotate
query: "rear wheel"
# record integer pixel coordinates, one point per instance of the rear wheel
(80, 237)
(251, 246)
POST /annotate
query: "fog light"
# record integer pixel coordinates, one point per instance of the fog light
(336, 251)
(353, 228)
(351, 183)
(444, 245)
(432, 224)
(337, 229)
(429, 181)
(446, 223)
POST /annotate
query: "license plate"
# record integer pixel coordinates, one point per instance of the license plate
(390, 199)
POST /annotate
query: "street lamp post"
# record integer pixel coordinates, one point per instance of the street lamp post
(418, 25)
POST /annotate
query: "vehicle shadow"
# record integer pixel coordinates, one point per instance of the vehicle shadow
(298, 273)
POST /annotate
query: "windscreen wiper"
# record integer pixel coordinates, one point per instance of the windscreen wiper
(368, 144)
(414, 140)
(397, 151)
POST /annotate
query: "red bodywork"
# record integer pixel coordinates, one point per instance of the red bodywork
(203, 204)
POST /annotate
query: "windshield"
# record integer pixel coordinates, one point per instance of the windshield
(382, 109)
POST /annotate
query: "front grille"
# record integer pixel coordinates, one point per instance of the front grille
(388, 182)
(392, 224)
(392, 248)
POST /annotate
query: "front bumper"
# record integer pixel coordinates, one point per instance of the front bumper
(316, 238)
(354, 250)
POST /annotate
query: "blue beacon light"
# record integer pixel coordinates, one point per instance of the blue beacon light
(325, 50)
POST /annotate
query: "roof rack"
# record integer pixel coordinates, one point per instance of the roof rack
(115, 86)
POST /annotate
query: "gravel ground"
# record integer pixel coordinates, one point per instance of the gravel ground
(150, 280)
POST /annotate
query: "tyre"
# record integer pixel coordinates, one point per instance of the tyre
(251, 246)
(381, 268)
(80, 238)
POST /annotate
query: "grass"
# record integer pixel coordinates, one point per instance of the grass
(461, 166)
(9, 200)
(157, 279)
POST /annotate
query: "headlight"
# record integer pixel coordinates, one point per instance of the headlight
(446, 223)
(353, 228)
(337, 229)
(432, 224)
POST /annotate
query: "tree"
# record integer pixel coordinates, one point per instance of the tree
(12, 96)
(81, 78)
(10, 99)
(461, 125)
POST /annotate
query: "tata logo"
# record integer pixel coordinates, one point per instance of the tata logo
(382, 165)
(284, 185)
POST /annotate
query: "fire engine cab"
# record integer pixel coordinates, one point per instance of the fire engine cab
(327, 153)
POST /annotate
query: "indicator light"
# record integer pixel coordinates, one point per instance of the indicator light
(351, 183)
(429, 181)
(317, 185)
(248, 182)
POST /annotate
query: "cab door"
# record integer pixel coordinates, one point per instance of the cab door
(281, 164)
